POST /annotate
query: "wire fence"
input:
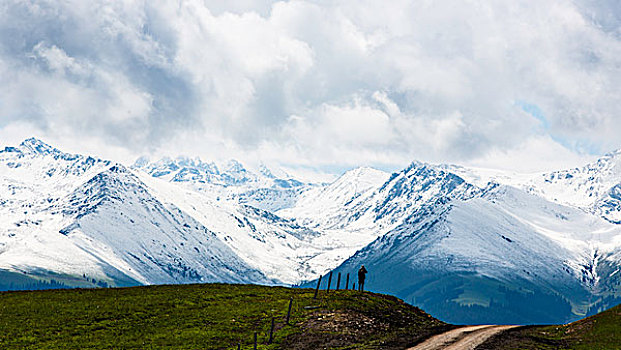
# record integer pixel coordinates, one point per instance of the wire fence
(271, 334)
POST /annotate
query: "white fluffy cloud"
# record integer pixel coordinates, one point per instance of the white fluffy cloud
(316, 83)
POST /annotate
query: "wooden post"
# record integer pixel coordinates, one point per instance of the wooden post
(347, 282)
(238, 346)
(353, 286)
(289, 311)
(338, 281)
(317, 289)
(329, 281)
(271, 332)
(255, 340)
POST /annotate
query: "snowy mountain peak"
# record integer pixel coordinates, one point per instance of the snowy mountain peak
(415, 165)
(233, 166)
(179, 220)
(610, 163)
(80, 216)
(141, 162)
(196, 163)
(34, 145)
(423, 176)
(43, 165)
(229, 181)
(433, 169)
(364, 171)
(229, 174)
(167, 167)
(265, 171)
(365, 175)
(35, 150)
(593, 187)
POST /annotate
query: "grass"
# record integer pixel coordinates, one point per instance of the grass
(598, 332)
(208, 316)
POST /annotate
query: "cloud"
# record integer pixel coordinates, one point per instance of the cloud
(550, 156)
(330, 84)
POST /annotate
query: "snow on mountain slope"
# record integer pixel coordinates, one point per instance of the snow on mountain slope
(502, 256)
(609, 205)
(326, 206)
(365, 203)
(33, 178)
(150, 229)
(594, 187)
(481, 177)
(450, 239)
(278, 247)
(442, 240)
(37, 169)
(582, 186)
(366, 212)
(117, 216)
(77, 215)
(230, 181)
(283, 248)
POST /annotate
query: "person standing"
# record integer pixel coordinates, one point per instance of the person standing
(361, 276)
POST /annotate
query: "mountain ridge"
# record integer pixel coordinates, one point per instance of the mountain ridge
(461, 242)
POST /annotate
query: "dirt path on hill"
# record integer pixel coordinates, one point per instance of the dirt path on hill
(465, 338)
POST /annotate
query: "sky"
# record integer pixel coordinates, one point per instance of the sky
(322, 85)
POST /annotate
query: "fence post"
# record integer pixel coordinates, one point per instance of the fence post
(329, 281)
(255, 340)
(347, 282)
(289, 311)
(238, 346)
(271, 332)
(338, 282)
(353, 286)
(317, 289)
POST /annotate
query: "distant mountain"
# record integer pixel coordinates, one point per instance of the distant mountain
(229, 181)
(595, 187)
(114, 211)
(82, 221)
(492, 254)
(283, 246)
(469, 245)
(364, 203)
(330, 206)
(66, 216)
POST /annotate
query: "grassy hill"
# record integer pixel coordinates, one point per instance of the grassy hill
(212, 316)
(602, 331)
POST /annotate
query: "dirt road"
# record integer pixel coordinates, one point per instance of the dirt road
(465, 338)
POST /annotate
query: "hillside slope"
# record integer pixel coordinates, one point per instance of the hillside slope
(598, 332)
(212, 316)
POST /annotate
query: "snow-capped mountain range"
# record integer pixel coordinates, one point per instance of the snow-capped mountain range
(230, 181)
(467, 245)
(176, 221)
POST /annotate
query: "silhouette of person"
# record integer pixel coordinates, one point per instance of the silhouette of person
(361, 276)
